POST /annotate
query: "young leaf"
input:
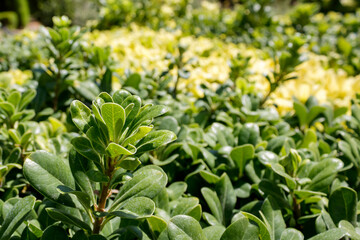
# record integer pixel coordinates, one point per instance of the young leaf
(80, 115)
(114, 117)
(154, 140)
(83, 146)
(214, 204)
(240, 155)
(115, 150)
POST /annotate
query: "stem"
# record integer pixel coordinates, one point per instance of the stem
(296, 210)
(101, 207)
(175, 88)
(105, 193)
(180, 66)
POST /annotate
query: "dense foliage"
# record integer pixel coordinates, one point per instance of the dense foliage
(208, 132)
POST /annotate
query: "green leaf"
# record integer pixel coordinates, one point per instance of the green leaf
(115, 150)
(106, 81)
(291, 234)
(213, 203)
(227, 197)
(54, 233)
(183, 206)
(46, 172)
(147, 113)
(130, 163)
(79, 166)
(156, 225)
(136, 136)
(274, 217)
(26, 98)
(323, 173)
(146, 182)
(7, 108)
(183, 227)
(240, 155)
(81, 115)
(176, 189)
(267, 158)
(14, 98)
(301, 112)
(120, 95)
(264, 231)
(130, 116)
(343, 205)
(16, 216)
(351, 231)
(97, 141)
(332, 234)
(133, 81)
(64, 217)
(279, 169)
(214, 232)
(114, 117)
(97, 176)
(314, 112)
(154, 140)
(272, 189)
(83, 146)
(249, 133)
(134, 208)
(236, 230)
(209, 177)
(344, 46)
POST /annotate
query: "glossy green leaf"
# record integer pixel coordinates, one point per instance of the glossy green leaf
(264, 230)
(80, 115)
(154, 140)
(240, 155)
(291, 234)
(114, 117)
(183, 227)
(46, 172)
(79, 165)
(115, 150)
(156, 225)
(332, 234)
(138, 135)
(64, 217)
(343, 205)
(214, 232)
(214, 203)
(16, 216)
(274, 217)
(349, 228)
(227, 197)
(146, 182)
(134, 208)
(83, 146)
(236, 230)
(301, 112)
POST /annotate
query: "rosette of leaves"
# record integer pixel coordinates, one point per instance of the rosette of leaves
(15, 133)
(114, 134)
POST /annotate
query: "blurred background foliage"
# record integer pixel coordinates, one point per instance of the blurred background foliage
(107, 13)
